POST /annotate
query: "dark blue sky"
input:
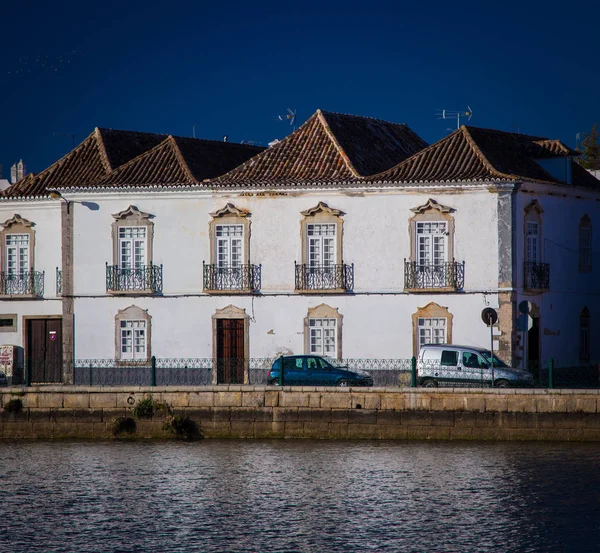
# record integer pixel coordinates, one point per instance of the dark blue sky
(230, 67)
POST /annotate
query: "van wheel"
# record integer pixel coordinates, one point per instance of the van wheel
(274, 382)
(429, 383)
(502, 384)
(342, 382)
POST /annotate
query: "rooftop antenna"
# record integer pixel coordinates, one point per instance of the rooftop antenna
(577, 139)
(451, 114)
(67, 134)
(290, 116)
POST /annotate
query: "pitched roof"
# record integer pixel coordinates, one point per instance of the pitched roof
(110, 157)
(95, 157)
(476, 154)
(180, 161)
(328, 147)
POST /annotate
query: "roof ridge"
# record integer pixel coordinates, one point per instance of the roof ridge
(182, 162)
(102, 149)
(363, 117)
(486, 162)
(331, 135)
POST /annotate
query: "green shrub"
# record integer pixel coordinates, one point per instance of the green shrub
(123, 425)
(15, 405)
(145, 408)
(184, 428)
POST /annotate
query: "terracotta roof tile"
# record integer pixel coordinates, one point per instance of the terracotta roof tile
(475, 154)
(328, 147)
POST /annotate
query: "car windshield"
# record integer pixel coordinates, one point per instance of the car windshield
(488, 357)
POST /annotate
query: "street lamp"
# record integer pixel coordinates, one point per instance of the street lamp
(58, 196)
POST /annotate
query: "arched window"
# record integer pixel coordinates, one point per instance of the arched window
(132, 335)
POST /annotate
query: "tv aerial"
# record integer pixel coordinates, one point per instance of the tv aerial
(290, 116)
(452, 114)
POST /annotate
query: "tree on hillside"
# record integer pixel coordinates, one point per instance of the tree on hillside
(590, 150)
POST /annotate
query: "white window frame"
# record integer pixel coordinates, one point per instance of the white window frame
(229, 245)
(19, 251)
(133, 335)
(431, 243)
(321, 244)
(532, 243)
(136, 238)
(322, 338)
(432, 324)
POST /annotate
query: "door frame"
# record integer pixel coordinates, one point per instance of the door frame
(24, 325)
(231, 312)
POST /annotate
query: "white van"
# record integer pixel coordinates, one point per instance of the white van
(468, 365)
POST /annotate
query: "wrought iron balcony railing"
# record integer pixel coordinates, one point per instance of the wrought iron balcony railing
(450, 274)
(58, 281)
(537, 276)
(325, 277)
(147, 279)
(28, 283)
(245, 278)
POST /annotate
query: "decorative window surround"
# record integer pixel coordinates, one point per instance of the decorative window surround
(230, 270)
(136, 324)
(431, 265)
(8, 322)
(18, 278)
(585, 245)
(133, 272)
(322, 268)
(320, 321)
(431, 312)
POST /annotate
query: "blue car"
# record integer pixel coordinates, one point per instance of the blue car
(313, 370)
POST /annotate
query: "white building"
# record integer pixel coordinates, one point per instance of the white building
(349, 238)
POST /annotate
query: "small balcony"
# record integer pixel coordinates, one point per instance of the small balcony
(447, 276)
(147, 279)
(29, 284)
(242, 279)
(537, 276)
(318, 278)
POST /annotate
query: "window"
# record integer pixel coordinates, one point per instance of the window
(532, 253)
(323, 332)
(472, 360)
(585, 245)
(17, 253)
(449, 358)
(322, 266)
(432, 331)
(432, 324)
(132, 339)
(133, 271)
(431, 243)
(323, 336)
(8, 323)
(230, 268)
(584, 335)
(431, 263)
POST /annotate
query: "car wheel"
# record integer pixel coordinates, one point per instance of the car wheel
(274, 382)
(429, 383)
(342, 382)
(502, 384)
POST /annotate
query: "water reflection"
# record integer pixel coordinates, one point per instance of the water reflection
(299, 496)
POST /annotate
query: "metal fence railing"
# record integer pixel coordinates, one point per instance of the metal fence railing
(310, 370)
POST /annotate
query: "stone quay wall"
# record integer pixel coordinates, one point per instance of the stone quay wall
(71, 412)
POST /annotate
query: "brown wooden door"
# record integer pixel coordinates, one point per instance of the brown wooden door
(44, 349)
(230, 351)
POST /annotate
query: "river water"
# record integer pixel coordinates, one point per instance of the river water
(299, 496)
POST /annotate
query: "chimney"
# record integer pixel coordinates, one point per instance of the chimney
(17, 171)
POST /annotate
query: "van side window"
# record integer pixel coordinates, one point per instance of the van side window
(449, 358)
